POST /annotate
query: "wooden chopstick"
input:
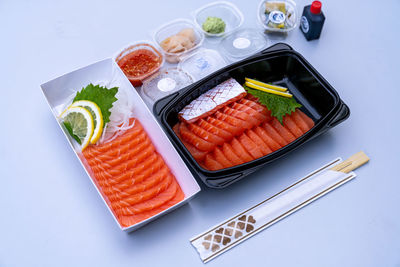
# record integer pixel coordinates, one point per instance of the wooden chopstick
(352, 163)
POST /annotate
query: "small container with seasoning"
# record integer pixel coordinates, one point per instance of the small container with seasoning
(220, 12)
(178, 38)
(277, 16)
(139, 61)
(312, 21)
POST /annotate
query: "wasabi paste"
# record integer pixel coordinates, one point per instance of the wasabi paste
(214, 25)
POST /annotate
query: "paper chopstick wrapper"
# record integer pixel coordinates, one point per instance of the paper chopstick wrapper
(235, 230)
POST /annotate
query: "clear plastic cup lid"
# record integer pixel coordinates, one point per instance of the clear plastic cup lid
(202, 63)
(243, 43)
(164, 83)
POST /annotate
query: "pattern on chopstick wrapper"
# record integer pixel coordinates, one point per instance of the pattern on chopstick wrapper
(239, 131)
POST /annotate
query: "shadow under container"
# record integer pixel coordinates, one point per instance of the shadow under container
(280, 65)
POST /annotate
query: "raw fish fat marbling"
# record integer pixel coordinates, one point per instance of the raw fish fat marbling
(239, 132)
(132, 176)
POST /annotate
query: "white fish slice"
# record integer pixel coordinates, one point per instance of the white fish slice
(212, 100)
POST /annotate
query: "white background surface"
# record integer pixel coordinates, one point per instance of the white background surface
(51, 215)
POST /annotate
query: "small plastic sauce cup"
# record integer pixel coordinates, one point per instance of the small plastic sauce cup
(139, 61)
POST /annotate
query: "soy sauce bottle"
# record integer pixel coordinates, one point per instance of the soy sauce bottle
(312, 20)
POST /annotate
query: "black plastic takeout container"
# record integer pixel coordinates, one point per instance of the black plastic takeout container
(278, 64)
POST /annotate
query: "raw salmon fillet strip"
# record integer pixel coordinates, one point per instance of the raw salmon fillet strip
(132, 176)
(239, 132)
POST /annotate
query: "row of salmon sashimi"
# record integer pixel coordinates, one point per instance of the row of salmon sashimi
(132, 176)
(239, 132)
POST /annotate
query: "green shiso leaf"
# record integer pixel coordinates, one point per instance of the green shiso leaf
(100, 95)
(278, 105)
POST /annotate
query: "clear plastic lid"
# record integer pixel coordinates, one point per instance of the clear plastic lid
(277, 15)
(202, 63)
(243, 43)
(164, 83)
(226, 11)
(177, 38)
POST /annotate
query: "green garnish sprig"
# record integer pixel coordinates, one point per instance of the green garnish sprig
(278, 105)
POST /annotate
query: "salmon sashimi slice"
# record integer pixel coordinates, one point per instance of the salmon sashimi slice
(299, 121)
(141, 172)
(267, 139)
(120, 140)
(220, 157)
(265, 149)
(159, 181)
(115, 194)
(193, 139)
(233, 120)
(274, 134)
(292, 126)
(160, 199)
(250, 146)
(240, 151)
(198, 155)
(259, 116)
(283, 131)
(230, 154)
(241, 115)
(135, 218)
(93, 153)
(152, 163)
(131, 177)
(256, 106)
(306, 119)
(200, 132)
(131, 163)
(211, 164)
(251, 97)
(125, 157)
(131, 174)
(142, 196)
(214, 130)
(117, 150)
(234, 130)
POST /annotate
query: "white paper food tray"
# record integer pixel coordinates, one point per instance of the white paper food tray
(58, 92)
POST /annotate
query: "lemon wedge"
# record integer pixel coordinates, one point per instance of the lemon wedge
(79, 123)
(95, 111)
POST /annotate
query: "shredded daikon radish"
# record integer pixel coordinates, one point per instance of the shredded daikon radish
(121, 113)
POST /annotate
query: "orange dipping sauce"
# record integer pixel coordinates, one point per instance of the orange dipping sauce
(139, 61)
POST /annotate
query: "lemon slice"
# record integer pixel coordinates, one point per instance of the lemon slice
(79, 123)
(267, 85)
(271, 91)
(98, 122)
